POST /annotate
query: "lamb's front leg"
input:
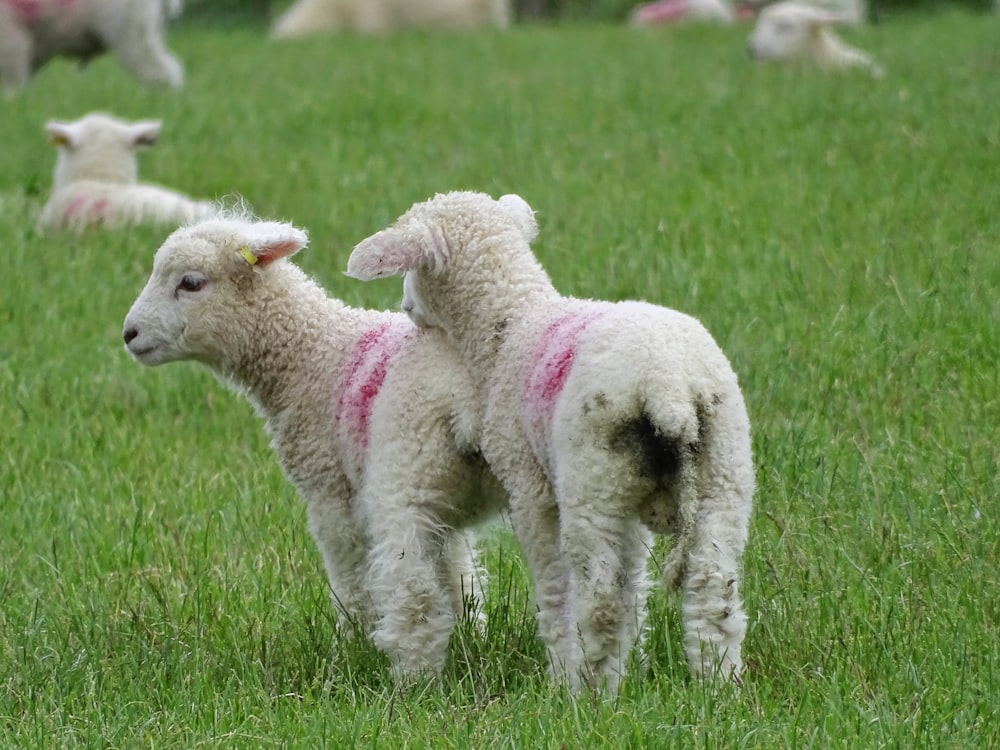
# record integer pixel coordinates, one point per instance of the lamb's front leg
(344, 548)
(462, 576)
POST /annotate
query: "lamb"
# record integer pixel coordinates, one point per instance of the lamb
(368, 415)
(32, 32)
(793, 30)
(95, 182)
(306, 17)
(603, 421)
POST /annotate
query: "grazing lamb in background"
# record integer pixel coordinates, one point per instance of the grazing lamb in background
(800, 32)
(32, 32)
(370, 418)
(603, 421)
(308, 17)
(676, 11)
(95, 182)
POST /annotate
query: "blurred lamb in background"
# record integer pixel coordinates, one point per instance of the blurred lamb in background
(96, 179)
(675, 11)
(32, 32)
(307, 17)
(797, 31)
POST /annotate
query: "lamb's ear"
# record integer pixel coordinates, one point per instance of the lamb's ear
(385, 253)
(144, 133)
(268, 241)
(65, 134)
(522, 213)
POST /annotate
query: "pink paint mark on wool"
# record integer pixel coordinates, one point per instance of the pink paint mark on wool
(27, 11)
(367, 367)
(552, 359)
(663, 11)
(76, 207)
(99, 208)
(83, 210)
(31, 11)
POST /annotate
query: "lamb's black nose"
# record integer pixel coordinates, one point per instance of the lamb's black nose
(130, 334)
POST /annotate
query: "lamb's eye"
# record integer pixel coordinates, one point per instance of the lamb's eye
(192, 283)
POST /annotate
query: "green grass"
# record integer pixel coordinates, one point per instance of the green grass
(838, 235)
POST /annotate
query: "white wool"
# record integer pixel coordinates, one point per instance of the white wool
(370, 417)
(604, 422)
(32, 32)
(307, 17)
(95, 182)
(797, 31)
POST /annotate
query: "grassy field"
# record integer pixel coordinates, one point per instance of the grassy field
(838, 235)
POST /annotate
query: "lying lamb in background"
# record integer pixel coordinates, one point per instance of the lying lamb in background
(371, 419)
(797, 31)
(95, 182)
(308, 17)
(32, 32)
(603, 421)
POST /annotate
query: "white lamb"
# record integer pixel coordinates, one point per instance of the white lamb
(95, 182)
(369, 417)
(308, 17)
(603, 421)
(797, 31)
(32, 32)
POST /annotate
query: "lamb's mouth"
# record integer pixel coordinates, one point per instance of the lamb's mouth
(140, 353)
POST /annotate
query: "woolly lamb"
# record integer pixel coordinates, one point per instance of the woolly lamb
(368, 414)
(96, 178)
(307, 17)
(32, 32)
(797, 31)
(603, 421)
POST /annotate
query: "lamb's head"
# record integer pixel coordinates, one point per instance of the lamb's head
(442, 239)
(201, 299)
(99, 147)
(793, 30)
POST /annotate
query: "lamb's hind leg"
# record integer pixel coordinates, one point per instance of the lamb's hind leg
(15, 54)
(714, 621)
(416, 613)
(608, 549)
(535, 519)
(138, 45)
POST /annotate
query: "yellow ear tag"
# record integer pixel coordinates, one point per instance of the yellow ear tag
(247, 255)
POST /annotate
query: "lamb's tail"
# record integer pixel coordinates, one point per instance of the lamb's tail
(714, 476)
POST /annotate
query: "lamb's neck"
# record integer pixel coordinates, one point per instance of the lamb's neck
(289, 345)
(484, 325)
(97, 167)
